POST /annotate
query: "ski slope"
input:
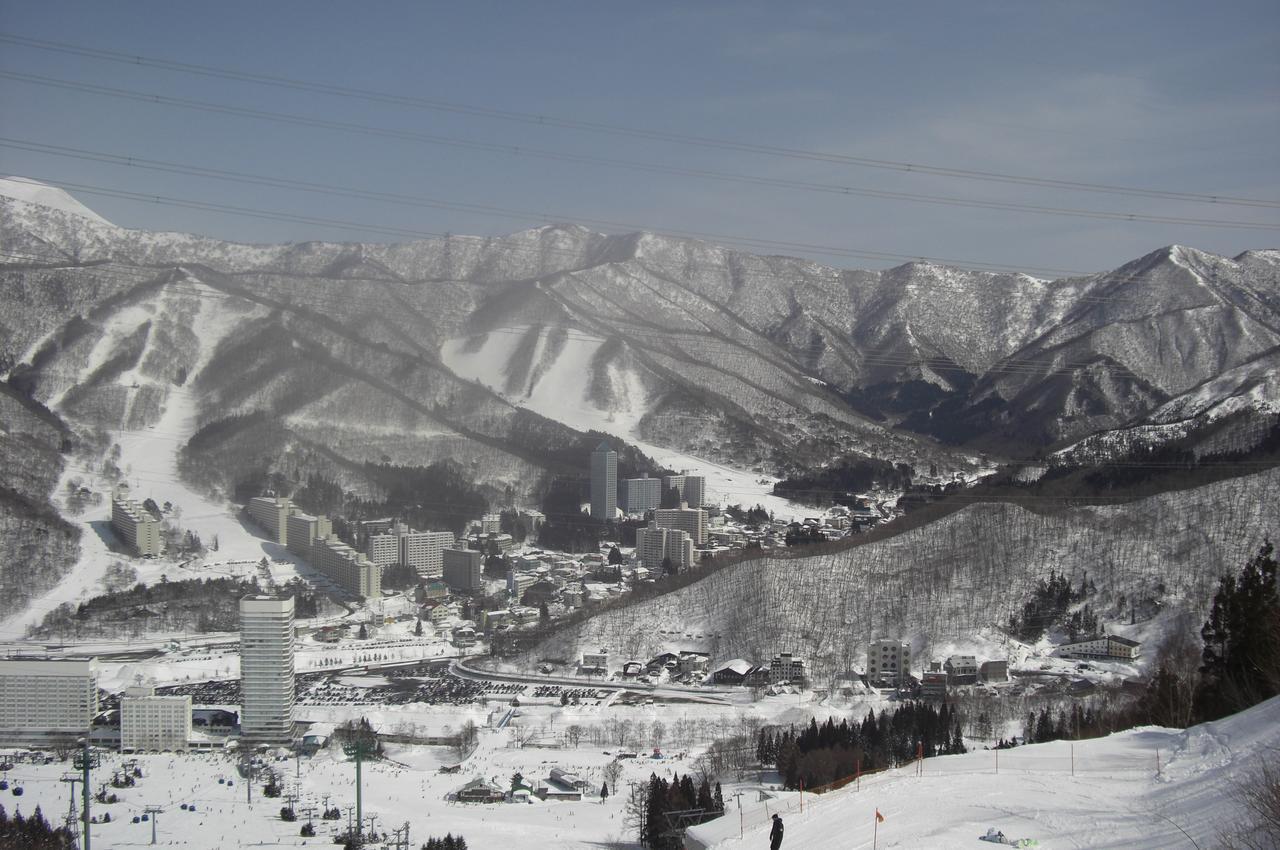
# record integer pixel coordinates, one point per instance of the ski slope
(1145, 788)
(560, 391)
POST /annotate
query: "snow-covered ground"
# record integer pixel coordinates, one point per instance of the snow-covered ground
(1145, 788)
(560, 392)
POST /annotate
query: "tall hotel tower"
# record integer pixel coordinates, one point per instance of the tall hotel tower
(266, 669)
(604, 483)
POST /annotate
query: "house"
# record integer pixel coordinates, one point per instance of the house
(662, 661)
(631, 669)
(595, 662)
(694, 662)
(994, 671)
(553, 790)
(731, 672)
(961, 670)
(1105, 648)
(479, 791)
(740, 672)
(568, 779)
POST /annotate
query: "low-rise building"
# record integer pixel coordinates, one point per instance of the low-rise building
(150, 723)
(961, 670)
(1104, 648)
(597, 662)
(994, 671)
(786, 668)
(933, 686)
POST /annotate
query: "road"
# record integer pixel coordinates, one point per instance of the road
(717, 696)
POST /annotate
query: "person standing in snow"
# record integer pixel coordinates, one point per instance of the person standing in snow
(775, 834)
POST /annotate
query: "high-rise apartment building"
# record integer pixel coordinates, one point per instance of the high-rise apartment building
(692, 521)
(271, 513)
(604, 483)
(135, 524)
(424, 552)
(641, 494)
(266, 669)
(463, 570)
(44, 701)
(491, 523)
(654, 545)
(695, 490)
(153, 723)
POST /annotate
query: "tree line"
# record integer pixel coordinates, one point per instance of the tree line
(821, 754)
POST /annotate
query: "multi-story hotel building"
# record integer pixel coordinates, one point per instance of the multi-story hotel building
(303, 529)
(463, 570)
(266, 669)
(692, 521)
(153, 723)
(135, 524)
(43, 700)
(888, 662)
(641, 494)
(655, 544)
(272, 514)
(604, 483)
(350, 569)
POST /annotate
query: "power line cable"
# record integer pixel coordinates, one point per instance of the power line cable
(586, 159)
(435, 203)
(622, 130)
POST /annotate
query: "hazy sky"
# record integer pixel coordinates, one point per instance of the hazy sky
(1170, 96)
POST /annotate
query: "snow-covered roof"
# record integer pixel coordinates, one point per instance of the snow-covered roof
(737, 665)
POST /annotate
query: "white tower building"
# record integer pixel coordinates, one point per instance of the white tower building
(266, 669)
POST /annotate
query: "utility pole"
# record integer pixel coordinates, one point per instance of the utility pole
(84, 761)
(154, 811)
(358, 749)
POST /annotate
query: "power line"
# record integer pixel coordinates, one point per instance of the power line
(420, 201)
(622, 130)
(586, 159)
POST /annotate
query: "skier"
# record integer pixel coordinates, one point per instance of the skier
(775, 834)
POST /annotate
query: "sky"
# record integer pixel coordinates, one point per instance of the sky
(1167, 96)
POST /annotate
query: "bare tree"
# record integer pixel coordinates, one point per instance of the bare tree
(1258, 794)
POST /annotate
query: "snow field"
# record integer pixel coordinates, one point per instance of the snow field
(1117, 797)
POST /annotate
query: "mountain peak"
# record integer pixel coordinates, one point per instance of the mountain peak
(35, 192)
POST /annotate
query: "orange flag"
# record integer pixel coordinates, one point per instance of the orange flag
(879, 817)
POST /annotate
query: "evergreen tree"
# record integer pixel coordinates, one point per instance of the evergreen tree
(1241, 659)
